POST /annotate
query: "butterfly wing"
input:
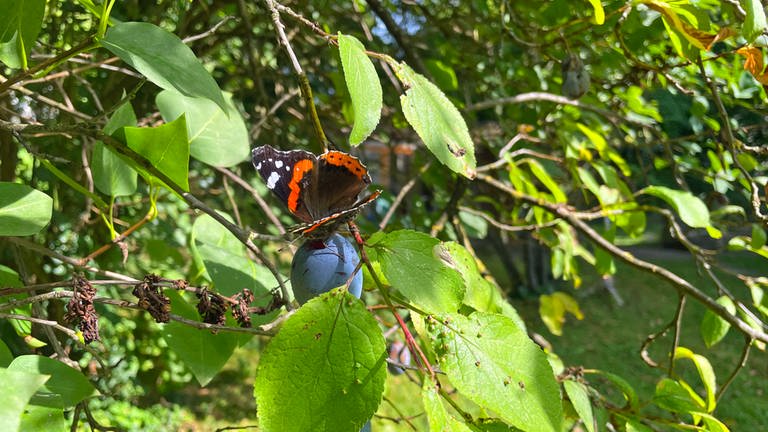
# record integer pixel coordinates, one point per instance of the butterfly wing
(289, 175)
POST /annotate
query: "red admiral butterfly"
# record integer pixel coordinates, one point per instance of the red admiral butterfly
(322, 191)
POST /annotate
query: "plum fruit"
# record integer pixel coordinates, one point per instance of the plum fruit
(321, 265)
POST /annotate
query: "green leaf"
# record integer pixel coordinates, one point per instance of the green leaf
(18, 388)
(66, 387)
(439, 419)
(494, 363)
(325, 369)
(363, 85)
(745, 243)
(578, 394)
(690, 208)
(112, 175)
(227, 264)
(6, 357)
(20, 23)
(758, 237)
(599, 15)
(754, 22)
(437, 122)
(671, 395)
(444, 75)
(23, 211)
(706, 373)
(215, 138)
(634, 425)
(630, 395)
(476, 226)
(713, 327)
(165, 147)
(538, 170)
(412, 263)
(712, 423)
(203, 352)
(481, 294)
(43, 419)
(163, 58)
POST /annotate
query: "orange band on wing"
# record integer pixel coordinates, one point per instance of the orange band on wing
(301, 168)
(338, 158)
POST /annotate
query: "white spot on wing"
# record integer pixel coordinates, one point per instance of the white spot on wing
(287, 168)
(258, 167)
(272, 180)
(278, 164)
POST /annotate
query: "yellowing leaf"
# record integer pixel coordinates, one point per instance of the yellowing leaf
(753, 63)
(599, 12)
(552, 309)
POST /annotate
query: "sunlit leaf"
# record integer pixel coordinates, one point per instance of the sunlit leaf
(163, 58)
(325, 369)
(66, 386)
(494, 363)
(363, 85)
(437, 122)
(578, 394)
(706, 373)
(217, 138)
(166, 147)
(754, 23)
(18, 388)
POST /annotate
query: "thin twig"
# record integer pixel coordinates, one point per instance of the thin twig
(676, 334)
(550, 97)
(259, 200)
(677, 282)
(401, 195)
(82, 46)
(210, 31)
(742, 362)
(306, 90)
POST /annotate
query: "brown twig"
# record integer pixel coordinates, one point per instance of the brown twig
(306, 89)
(679, 283)
(742, 362)
(401, 195)
(259, 200)
(82, 46)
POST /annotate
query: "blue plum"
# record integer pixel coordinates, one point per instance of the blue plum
(321, 265)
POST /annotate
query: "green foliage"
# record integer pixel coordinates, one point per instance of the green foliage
(65, 387)
(713, 327)
(578, 394)
(111, 175)
(363, 85)
(492, 361)
(330, 354)
(203, 352)
(411, 261)
(438, 416)
(532, 189)
(163, 58)
(216, 137)
(19, 25)
(23, 211)
(19, 387)
(166, 147)
(437, 121)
